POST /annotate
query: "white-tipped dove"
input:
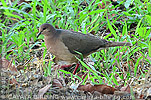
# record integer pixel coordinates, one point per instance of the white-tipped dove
(64, 43)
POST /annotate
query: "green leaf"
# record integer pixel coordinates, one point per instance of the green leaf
(5, 5)
(95, 74)
(8, 37)
(148, 19)
(114, 80)
(124, 32)
(138, 25)
(111, 29)
(49, 67)
(128, 14)
(136, 65)
(96, 11)
(149, 49)
(142, 31)
(149, 6)
(127, 3)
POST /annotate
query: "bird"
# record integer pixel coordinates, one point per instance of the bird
(65, 44)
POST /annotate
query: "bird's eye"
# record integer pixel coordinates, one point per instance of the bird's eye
(44, 28)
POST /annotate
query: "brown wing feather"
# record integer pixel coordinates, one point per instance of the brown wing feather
(83, 43)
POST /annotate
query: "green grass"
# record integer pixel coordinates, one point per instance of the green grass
(18, 31)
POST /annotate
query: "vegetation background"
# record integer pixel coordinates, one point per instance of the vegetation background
(24, 56)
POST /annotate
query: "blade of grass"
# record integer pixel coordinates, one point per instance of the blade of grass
(111, 28)
(136, 65)
(95, 74)
(138, 25)
(149, 49)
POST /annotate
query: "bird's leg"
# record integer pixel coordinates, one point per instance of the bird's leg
(77, 66)
(66, 66)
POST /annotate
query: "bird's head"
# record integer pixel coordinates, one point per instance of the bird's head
(46, 29)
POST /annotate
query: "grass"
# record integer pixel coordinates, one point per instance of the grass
(19, 31)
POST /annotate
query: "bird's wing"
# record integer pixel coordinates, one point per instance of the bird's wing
(83, 43)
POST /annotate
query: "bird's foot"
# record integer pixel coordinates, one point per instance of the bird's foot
(65, 66)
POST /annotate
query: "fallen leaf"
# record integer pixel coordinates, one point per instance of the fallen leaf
(13, 68)
(4, 63)
(100, 88)
(126, 88)
(13, 81)
(57, 83)
(43, 90)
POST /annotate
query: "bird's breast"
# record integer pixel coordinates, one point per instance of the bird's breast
(57, 48)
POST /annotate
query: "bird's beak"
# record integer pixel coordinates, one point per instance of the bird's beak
(38, 34)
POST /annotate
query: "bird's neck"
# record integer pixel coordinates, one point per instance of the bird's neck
(49, 37)
(52, 36)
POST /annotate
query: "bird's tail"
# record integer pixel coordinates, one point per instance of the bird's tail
(114, 44)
